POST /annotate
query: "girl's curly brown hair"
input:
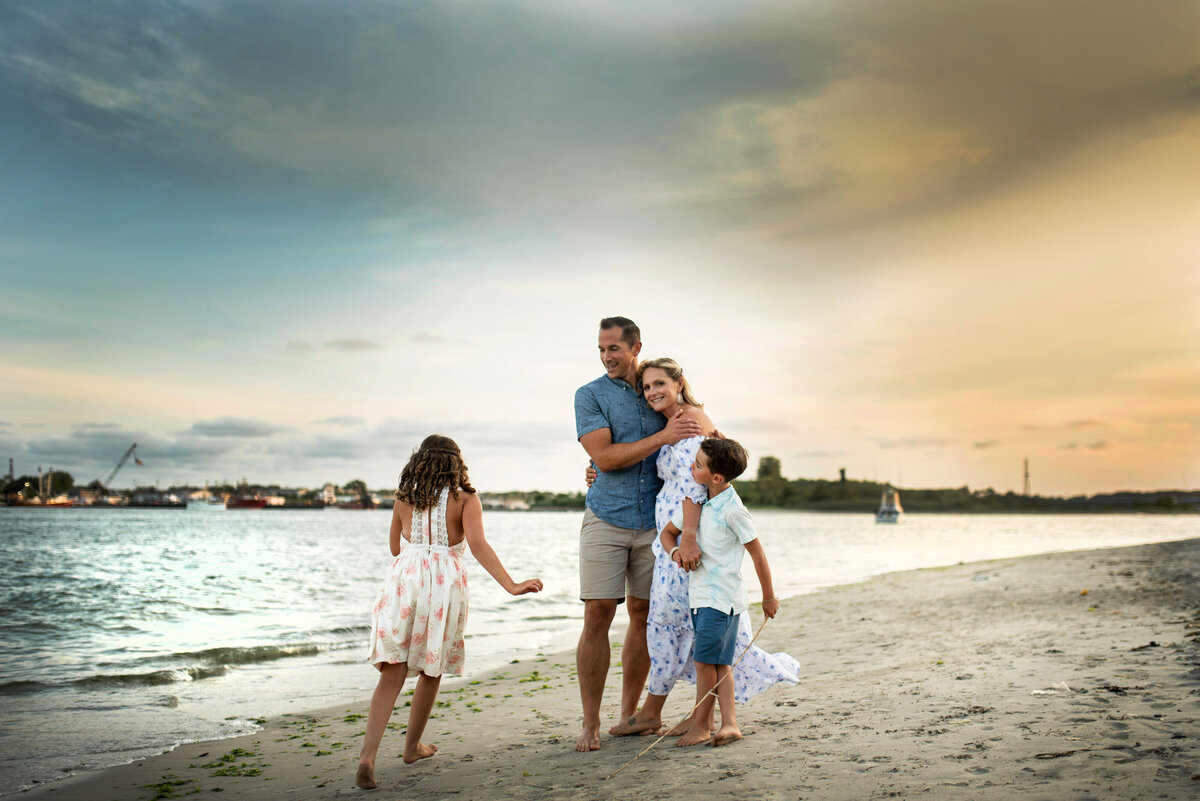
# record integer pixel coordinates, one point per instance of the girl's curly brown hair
(437, 463)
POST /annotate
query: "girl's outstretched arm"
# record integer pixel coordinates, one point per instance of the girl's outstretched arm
(473, 529)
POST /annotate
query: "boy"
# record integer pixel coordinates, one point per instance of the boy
(715, 593)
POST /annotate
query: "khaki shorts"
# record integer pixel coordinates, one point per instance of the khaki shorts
(614, 562)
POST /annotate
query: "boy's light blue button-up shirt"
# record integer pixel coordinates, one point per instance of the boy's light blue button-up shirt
(624, 497)
(725, 528)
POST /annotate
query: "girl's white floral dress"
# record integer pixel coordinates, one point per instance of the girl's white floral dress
(421, 610)
(669, 633)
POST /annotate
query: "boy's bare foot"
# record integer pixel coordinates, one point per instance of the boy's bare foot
(423, 752)
(681, 728)
(694, 737)
(365, 778)
(635, 725)
(726, 735)
(588, 741)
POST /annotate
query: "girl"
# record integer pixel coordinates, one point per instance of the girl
(419, 615)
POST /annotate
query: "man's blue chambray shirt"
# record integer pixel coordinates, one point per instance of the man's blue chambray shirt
(624, 497)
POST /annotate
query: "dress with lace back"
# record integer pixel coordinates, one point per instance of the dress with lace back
(421, 610)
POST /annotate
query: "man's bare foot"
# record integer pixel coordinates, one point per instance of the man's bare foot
(635, 725)
(726, 735)
(588, 741)
(694, 737)
(365, 778)
(423, 752)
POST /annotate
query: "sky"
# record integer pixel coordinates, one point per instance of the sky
(283, 240)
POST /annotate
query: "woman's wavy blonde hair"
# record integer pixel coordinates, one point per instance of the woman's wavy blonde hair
(436, 464)
(675, 373)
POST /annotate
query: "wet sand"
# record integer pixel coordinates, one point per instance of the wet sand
(1060, 676)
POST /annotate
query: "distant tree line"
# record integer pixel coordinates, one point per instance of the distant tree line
(770, 489)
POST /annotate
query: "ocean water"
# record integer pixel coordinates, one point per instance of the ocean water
(124, 633)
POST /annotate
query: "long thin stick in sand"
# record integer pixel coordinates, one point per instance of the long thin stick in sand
(698, 703)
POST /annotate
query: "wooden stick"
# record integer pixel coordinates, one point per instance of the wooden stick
(711, 692)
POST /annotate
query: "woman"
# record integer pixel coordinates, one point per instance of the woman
(669, 634)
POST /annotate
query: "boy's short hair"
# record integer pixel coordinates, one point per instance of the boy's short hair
(630, 333)
(726, 457)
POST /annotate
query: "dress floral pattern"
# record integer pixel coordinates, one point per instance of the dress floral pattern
(421, 610)
(669, 633)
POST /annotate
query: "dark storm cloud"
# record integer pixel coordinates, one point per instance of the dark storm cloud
(819, 113)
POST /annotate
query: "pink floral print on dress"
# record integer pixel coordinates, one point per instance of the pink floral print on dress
(423, 601)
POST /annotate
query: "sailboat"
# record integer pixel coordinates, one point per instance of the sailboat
(890, 510)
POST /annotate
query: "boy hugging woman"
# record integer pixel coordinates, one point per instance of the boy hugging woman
(716, 595)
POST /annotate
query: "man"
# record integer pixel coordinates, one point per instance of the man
(622, 435)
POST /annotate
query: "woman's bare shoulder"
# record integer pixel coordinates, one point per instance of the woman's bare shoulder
(701, 417)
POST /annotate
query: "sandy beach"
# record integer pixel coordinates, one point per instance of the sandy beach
(1072, 675)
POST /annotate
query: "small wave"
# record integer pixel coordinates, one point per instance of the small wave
(247, 655)
(153, 678)
(18, 687)
(149, 679)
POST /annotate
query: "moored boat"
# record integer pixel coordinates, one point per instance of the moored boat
(245, 503)
(890, 510)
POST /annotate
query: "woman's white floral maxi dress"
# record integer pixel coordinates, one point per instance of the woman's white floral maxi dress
(669, 633)
(421, 610)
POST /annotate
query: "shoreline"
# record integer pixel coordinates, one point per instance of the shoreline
(1061, 672)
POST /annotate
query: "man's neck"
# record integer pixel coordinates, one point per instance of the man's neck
(629, 378)
(716, 489)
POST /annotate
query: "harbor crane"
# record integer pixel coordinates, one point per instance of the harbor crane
(121, 464)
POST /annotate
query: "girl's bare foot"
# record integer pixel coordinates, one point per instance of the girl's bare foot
(635, 725)
(694, 736)
(726, 735)
(423, 752)
(365, 778)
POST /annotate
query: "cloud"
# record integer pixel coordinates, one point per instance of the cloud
(5, 423)
(93, 452)
(342, 421)
(299, 346)
(912, 442)
(234, 427)
(1070, 425)
(424, 337)
(1070, 446)
(846, 111)
(97, 425)
(353, 345)
(1099, 445)
(989, 443)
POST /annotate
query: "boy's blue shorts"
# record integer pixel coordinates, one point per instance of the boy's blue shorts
(716, 636)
